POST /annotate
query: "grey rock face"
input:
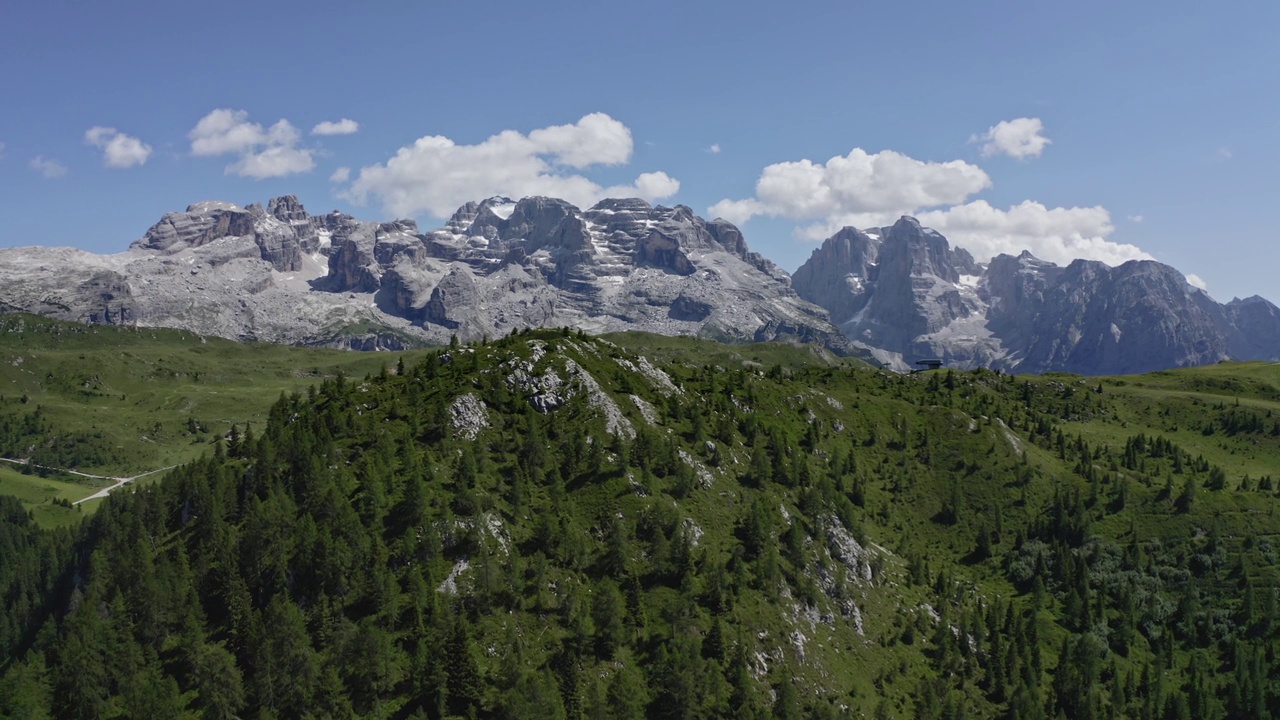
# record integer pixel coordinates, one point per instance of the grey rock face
(905, 292)
(469, 415)
(453, 300)
(894, 288)
(352, 267)
(688, 309)
(276, 234)
(1137, 317)
(286, 208)
(202, 223)
(1256, 328)
(278, 244)
(835, 278)
(100, 296)
(622, 264)
(280, 274)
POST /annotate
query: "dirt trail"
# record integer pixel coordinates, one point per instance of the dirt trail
(118, 481)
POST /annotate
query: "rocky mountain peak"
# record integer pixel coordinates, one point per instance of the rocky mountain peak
(288, 209)
(537, 220)
(1257, 325)
(279, 273)
(282, 233)
(210, 206)
(201, 223)
(587, 254)
(462, 218)
(728, 236)
(1152, 277)
(839, 272)
(911, 249)
(636, 206)
(926, 299)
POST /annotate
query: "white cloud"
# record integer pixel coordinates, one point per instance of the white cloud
(1136, 218)
(864, 190)
(650, 186)
(274, 161)
(858, 184)
(714, 149)
(1196, 281)
(118, 150)
(1224, 153)
(264, 153)
(225, 131)
(341, 127)
(48, 168)
(596, 139)
(437, 175)
(1020, 138)
(340, 175)
(1058, 235)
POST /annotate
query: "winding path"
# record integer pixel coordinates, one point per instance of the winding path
(119, 481)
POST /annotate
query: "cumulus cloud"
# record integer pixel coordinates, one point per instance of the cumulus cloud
(437, 175)
(714, 149)
(275, 161)
(1196, 281)
(1020, 138)
(1136, 218)
(342, 127)
(596, 139)
(225, 131)
(859, 184)
(118, 150)
(650, 186)
(264, 152)
(48, 168)
(1058, 235)
(872, 190)
(340, 175)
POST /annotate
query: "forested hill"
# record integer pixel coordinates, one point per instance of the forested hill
(553, 526)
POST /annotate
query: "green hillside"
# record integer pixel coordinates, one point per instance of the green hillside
(117, 400)
(552, 525)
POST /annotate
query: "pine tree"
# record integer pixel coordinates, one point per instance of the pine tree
(627, 696)
(26, 691)
(1187, 498)
(218, 682)
(464, 682)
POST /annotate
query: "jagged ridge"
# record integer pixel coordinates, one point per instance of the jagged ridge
(906, 292)
(283, 275)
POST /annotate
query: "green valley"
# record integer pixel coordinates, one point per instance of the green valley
(553, 525)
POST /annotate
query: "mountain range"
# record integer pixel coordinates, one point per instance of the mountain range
(900, 293)
(904, 291)
(280, 274)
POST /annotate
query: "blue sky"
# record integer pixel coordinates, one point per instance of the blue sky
(1129, 129)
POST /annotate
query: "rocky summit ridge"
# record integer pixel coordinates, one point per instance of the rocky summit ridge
(902, 293)
(906, 293)
(281, 274)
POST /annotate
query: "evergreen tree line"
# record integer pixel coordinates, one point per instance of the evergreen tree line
(357, 556)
